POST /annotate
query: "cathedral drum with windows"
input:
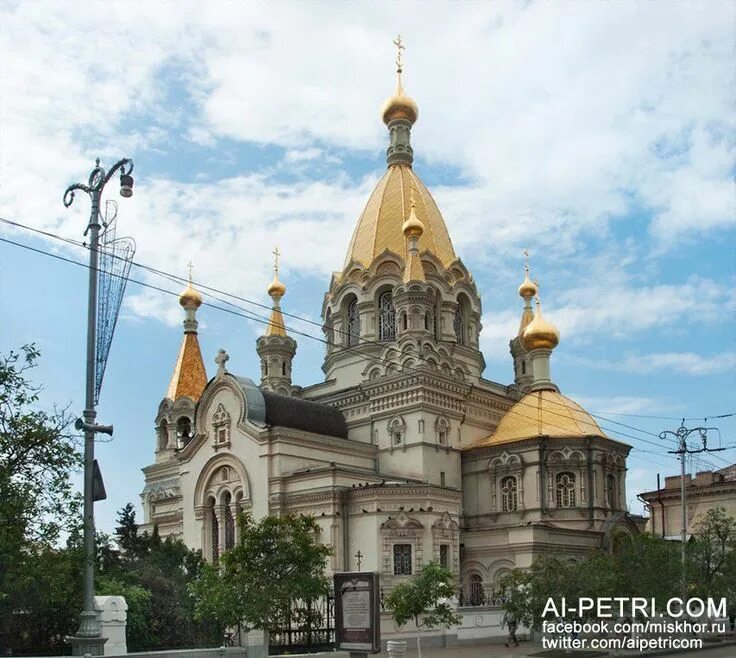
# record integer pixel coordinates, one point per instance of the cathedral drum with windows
(404, 452)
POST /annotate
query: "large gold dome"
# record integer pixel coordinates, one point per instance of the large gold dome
(380, 225)
(543, 413)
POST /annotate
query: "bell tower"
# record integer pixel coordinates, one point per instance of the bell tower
(275, 348)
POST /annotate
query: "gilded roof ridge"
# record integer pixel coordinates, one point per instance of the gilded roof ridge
(379, 225)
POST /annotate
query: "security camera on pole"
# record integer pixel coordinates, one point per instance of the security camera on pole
(87, 639)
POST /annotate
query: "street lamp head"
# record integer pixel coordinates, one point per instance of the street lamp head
(126, 185)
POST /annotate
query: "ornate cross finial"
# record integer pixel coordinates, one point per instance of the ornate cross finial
(399, 47)
(358, 557)
(221, 359)
(526, 261)
(190, 268)
(276, 253)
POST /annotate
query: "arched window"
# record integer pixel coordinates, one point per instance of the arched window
(265, 367)
(283, 368)
(429, 322)
(509, 494)
(386, 317)
(328, 330)
(184, 430)
(163, 435)
(611, 491)
(353, 323)
(214, 531)
(476, 590)
(229, 524)
(566, 489)
(459, 325)
(403, 321)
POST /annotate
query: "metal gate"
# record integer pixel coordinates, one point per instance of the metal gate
(307, 627)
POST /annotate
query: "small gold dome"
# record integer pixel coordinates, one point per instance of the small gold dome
(276, 289)
(540, 334)
(190, 296)
(399, 106)
(527, 288)
(413, 227)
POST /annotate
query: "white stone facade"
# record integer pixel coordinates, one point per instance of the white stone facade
(383, 452)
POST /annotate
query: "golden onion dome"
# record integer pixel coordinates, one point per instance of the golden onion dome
(413, 227)
(399, 106)
(190, 296)
(276, 288)
(542, 413)
(528, 288)
(539, 333)
(380, 225)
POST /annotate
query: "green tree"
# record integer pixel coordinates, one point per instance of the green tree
(425, 599)
(277, 563)
(153, 574)
(38, 454)
(712, 555)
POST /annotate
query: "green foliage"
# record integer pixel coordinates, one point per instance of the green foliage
(637, 565)
(139, 631)
(277, 561)
(712, 556)
(154, 576)
(425, 599)
(37, 502)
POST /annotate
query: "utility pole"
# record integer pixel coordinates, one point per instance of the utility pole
(681, 435)
(88, 640)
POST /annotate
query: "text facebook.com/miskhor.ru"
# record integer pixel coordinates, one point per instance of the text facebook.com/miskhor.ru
(632, 623)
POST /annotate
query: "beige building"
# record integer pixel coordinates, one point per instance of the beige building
(705, 491)
(403, 451)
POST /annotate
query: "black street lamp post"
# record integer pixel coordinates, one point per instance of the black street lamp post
(88, 640)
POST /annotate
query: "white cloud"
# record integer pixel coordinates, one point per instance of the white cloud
(551, 144)
(621, 404)
(687, 363)
(618, 309)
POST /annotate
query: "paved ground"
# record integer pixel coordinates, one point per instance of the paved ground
(528, 648)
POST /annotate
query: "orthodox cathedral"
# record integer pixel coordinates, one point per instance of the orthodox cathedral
(403, 453)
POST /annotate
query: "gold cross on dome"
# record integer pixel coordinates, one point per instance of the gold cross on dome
(526, 260)
(190, 268)
(399, 47)
(276, 253)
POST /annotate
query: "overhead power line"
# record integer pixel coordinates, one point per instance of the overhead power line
(250, 315)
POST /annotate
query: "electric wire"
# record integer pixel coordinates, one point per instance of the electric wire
(261, 319)
(179, 279)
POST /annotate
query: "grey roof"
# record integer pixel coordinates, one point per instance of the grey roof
(285, 411)
(266, 408)
(254, 400)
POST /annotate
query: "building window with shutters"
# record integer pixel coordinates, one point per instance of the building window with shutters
(509, 495)
(386, 317)
(565, 489)
(402, 559)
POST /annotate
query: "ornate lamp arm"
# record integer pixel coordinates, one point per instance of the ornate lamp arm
(69, 193)
(125, 166)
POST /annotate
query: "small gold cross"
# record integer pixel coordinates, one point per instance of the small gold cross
(276, 253)
(399, 47)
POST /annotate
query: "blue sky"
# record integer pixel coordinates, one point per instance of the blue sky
(597, 135)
